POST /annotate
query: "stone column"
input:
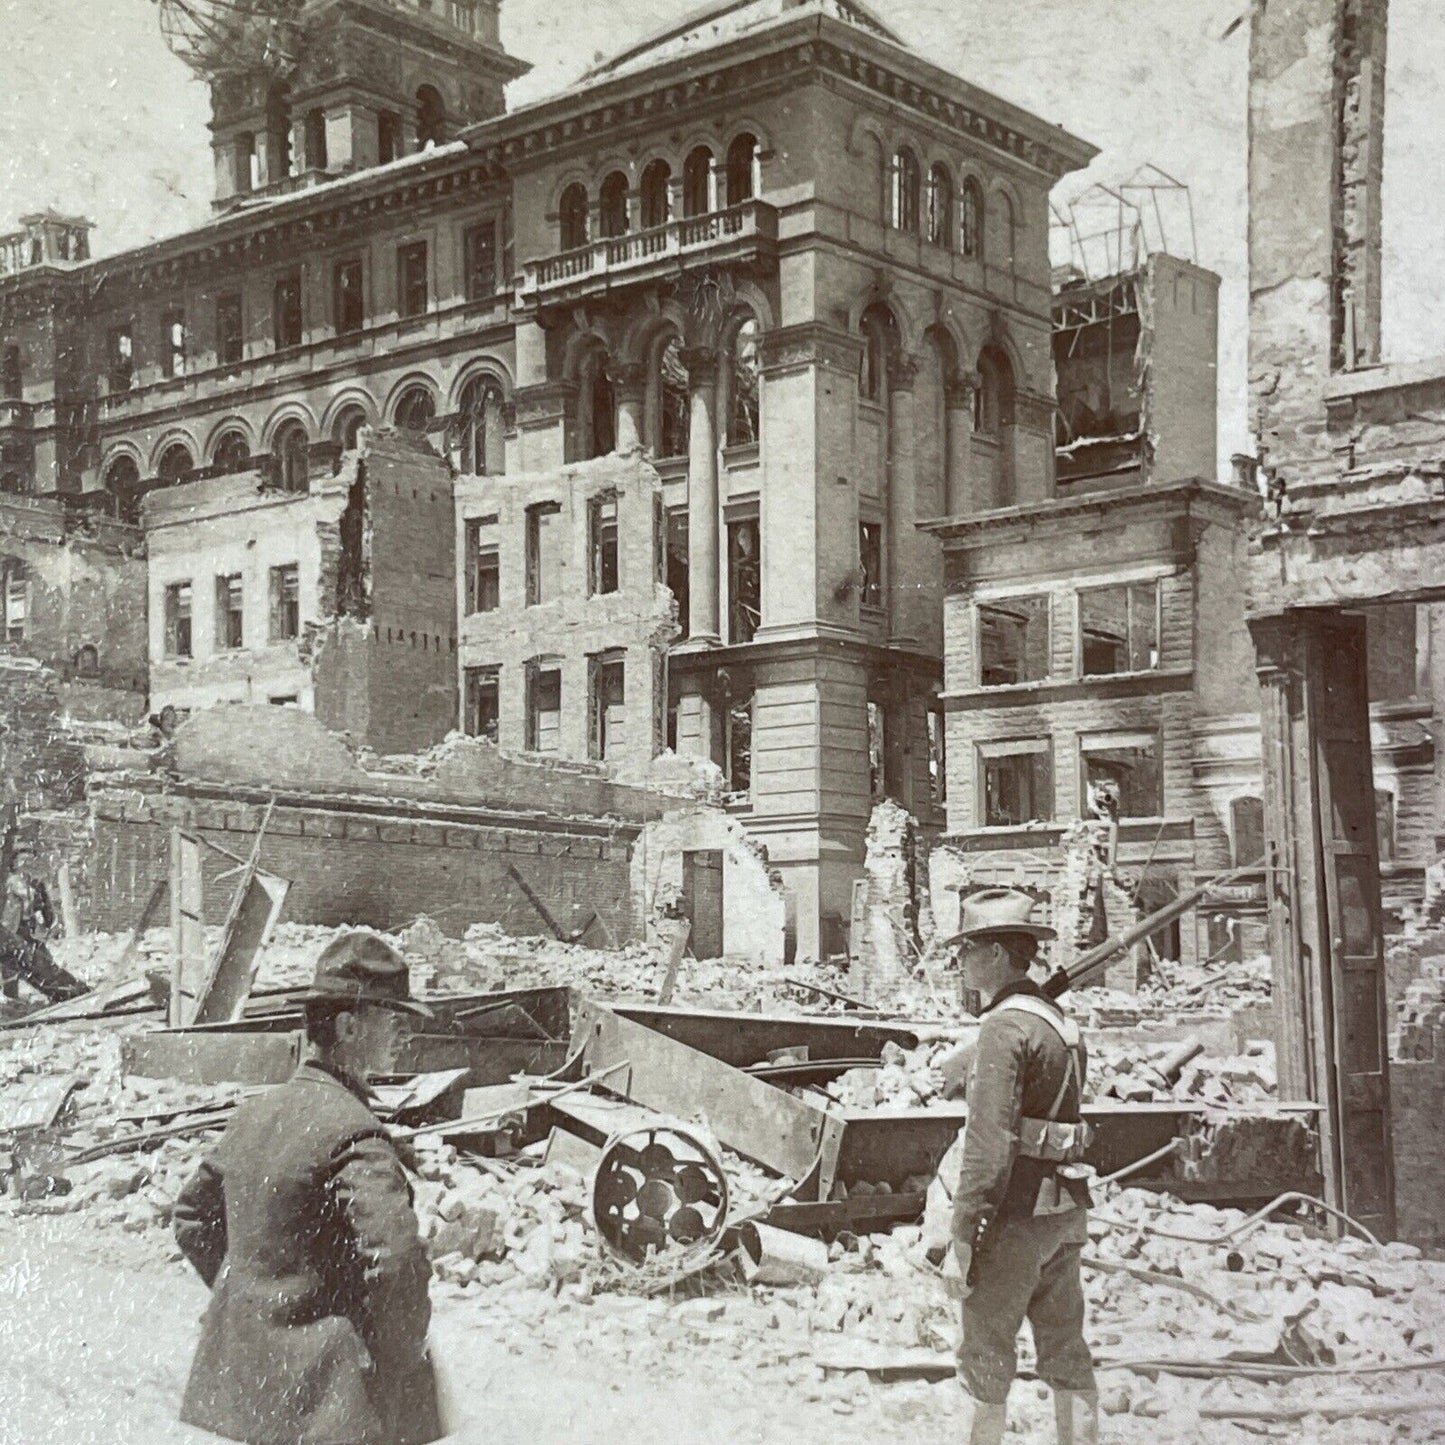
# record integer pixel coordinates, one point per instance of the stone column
(902, 495)
(958, 403)
(702, 497)
(629, 383)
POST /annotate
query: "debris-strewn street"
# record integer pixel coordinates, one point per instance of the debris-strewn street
(1196, 1313)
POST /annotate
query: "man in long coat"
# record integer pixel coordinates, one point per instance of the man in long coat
(301, 1223)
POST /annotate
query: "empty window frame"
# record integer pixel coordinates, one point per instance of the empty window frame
(348, 301)
(285, 603)
(230, 614)
(412, 294)
(480, 244)
(173, 343)
(573, 217)
(1013, 641)
(286, 310)
(178, 620)
(745, 580)
(1246, 830)
(482, 702)
(120, 357)
(870, 561)
(1121, 775)
(937, 756)
(1016, 783)
(744, 386)
(1119, 628)
(544, 706)
(738, 745)
(877, 749)
(484, 568)
(15, 599)
(602, 555)
(230, 337)
(544, 552)
(605, 705)
(677, 564)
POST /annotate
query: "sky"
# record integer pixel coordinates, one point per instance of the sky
(116, 126)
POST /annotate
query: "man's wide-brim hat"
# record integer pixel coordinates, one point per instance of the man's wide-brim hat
(362, 968)
(998, 910)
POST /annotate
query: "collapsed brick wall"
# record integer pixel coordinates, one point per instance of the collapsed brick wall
(381, 865)
(42, 766)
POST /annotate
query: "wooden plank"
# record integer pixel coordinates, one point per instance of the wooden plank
(542, 911)
(762, 1123)
(211, 1058)
(188, 925)
(257, 906)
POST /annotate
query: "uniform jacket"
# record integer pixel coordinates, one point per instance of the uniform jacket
(301, 1223)
(1017, 1069)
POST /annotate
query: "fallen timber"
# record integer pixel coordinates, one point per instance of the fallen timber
(850, 1169)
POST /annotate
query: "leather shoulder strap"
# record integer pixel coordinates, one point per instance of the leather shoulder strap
(1066, 1028)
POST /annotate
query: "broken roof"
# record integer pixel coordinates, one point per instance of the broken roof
(715, 24)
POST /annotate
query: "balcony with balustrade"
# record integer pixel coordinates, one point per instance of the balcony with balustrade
(741, 234)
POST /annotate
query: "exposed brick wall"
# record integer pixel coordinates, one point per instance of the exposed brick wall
(380, 868)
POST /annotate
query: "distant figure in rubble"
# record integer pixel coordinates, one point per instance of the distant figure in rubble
(1019, 1209)
(27, 922)
(301, 1223)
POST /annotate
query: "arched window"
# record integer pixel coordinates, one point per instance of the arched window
(231, 452)
(970, 220)
(431, 118)
(612, 208)
(907, 187)
(122, 481)
(176, 461)
(993, 402)
(743, 385)
(86, 660)
(673, 402)
(744, 178)
(415, 410)
(479, 426)
(1007, 231)
(697, 182)
(656, 194)
(940, 206)
(880, 345)
(597, 409)
(346, 430)
(572, 217)
(292, 451)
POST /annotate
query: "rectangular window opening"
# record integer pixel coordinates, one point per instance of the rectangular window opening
(481, 261)
(173, 343)
(1013, 641)
(482, 702)
(285, 603)
(1121, 776)
(286, 310)
(602, 544)
(745, 580)
(121, 358)
(544, 552)
(1119, 628)
(178, 619)
(347, 299)
(411, 279)
(544, 707)
(870, 559)
(230, 615)
(738, 745)
(230, 339)
(606, 713)
(484, 568)
(677, 564)
(1018, 783)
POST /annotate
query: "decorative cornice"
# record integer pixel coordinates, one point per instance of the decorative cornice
(810, 343)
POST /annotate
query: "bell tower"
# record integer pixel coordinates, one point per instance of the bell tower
(305, 90)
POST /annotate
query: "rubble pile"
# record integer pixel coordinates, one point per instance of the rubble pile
(1130, 1071)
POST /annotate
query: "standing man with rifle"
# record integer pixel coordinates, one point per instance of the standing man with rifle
(1019, 1211)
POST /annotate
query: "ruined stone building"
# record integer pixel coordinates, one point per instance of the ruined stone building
(1346, 577)
(792, 262)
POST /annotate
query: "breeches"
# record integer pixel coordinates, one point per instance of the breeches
(1027, 1268)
